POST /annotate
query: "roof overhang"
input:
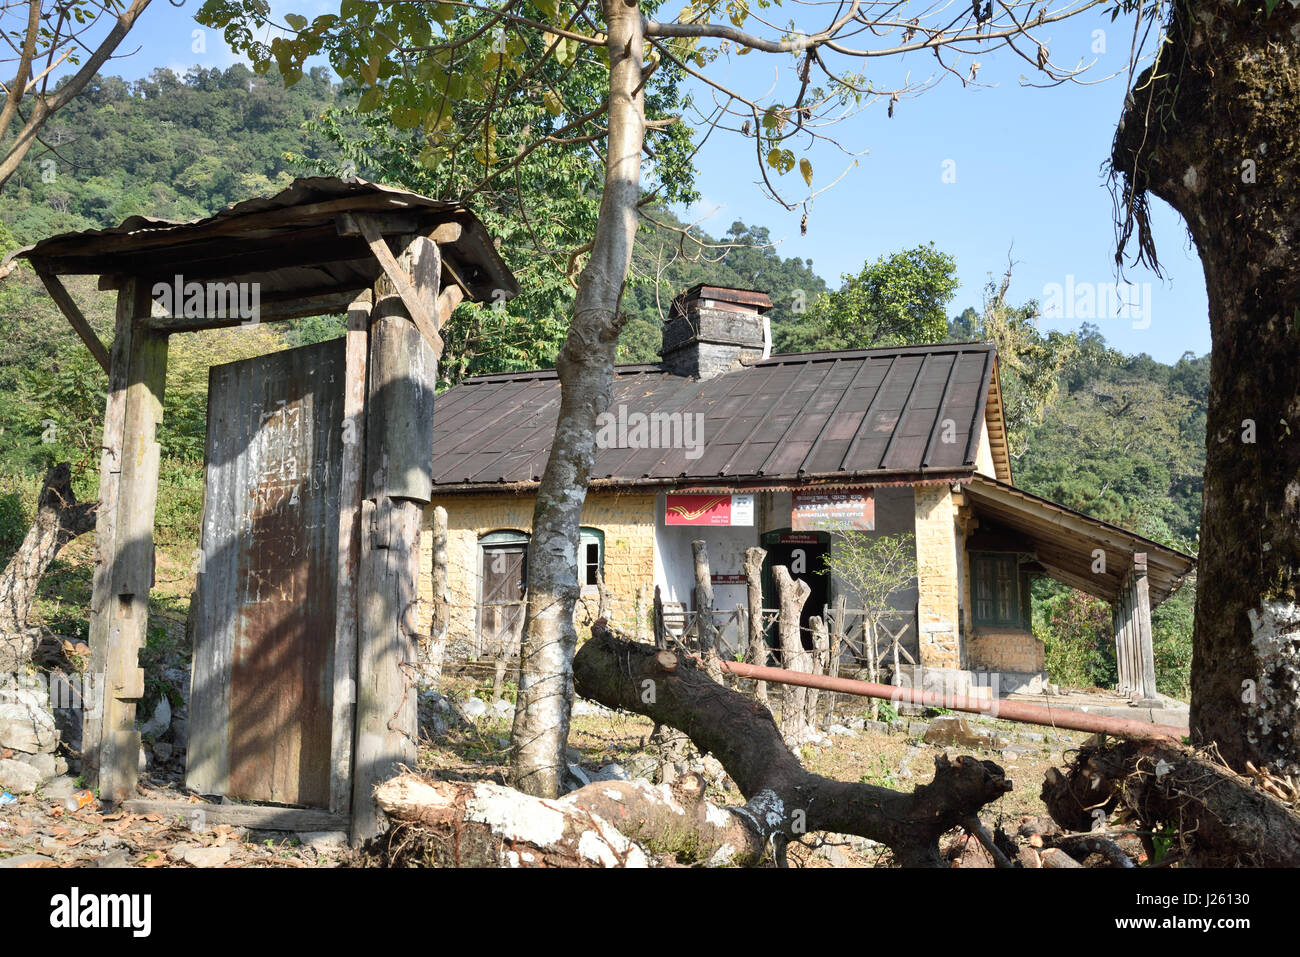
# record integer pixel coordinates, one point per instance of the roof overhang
(293, 245)
(1065, 542)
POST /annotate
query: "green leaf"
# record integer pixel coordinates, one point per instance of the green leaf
(550, 9)
(405, 117)
(295, 20)
(805, 168)
(370, 99)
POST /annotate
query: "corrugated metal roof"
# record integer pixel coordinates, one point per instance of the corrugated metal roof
(824, 416)
(288, 243)
(1066, 541)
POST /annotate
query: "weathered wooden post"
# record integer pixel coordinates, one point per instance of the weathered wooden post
(704, 624)
(404, 354)
(351, 489)
(441, 625)
(754, 594)
(124, 540)
(819, 661)
(793, 593)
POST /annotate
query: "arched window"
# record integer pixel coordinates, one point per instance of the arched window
(503, 572)
(591, 555)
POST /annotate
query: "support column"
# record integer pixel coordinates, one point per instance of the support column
(936, 566)
(350, 506)
(124, 541)
(398, 483)
(1150, 698)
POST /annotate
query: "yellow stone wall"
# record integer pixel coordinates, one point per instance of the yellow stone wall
(991, 649)
(626, 518)
(936, 564)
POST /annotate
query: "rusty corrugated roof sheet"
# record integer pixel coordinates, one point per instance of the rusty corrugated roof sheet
(826, 416)
(287, 243)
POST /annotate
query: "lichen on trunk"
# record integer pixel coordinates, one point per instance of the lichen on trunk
(1212, 128)
(586, 370)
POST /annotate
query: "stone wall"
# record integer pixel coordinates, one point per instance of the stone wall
(938, 610)
(1013, 650)
(626, 518)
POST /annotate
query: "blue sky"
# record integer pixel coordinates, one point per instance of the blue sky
(1023, 176)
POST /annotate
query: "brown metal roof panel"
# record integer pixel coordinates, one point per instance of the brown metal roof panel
(907, 451)
(789, 457)
(749, 460)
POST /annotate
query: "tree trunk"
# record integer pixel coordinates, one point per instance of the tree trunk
(820, 661)
(59, 519)
(784, 800)
(1213, 128)
(586, 369)
(441, 602)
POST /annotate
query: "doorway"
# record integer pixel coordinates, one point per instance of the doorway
(804, 554)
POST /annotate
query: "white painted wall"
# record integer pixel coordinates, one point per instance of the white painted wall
(675, 566)
(675, 569)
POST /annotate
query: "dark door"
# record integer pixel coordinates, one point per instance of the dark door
(501, 603)
(804, 554)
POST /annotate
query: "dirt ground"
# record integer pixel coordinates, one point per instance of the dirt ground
(36, 831)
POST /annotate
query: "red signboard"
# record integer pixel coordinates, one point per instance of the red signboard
(822, 508)
(727, 579)
(707, 508)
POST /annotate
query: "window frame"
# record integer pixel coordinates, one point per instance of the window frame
(984, 569)
(587, 536)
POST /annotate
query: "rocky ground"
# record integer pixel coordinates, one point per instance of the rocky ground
(466, 738)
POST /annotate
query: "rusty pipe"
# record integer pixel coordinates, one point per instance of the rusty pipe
(1011, 710)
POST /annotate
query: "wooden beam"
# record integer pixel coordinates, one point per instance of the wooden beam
(259, 817)
(273, 310)
(447, 232)
(130, 300)
(349, 553)
(424, 321)
(121, 615)
(448, 300)
(63, 300)
(388, 224)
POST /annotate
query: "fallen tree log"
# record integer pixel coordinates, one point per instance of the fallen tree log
(785, 801)
(607, 824)
(1216, 817)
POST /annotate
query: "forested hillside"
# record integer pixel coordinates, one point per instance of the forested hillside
(1116, 436)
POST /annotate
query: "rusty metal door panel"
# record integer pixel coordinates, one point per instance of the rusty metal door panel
(262, 684)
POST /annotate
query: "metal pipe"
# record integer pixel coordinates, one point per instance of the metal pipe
(993, 707)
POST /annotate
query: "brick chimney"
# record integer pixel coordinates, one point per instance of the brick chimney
(712, 330)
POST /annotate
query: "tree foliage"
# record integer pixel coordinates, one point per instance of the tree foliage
(900, 298)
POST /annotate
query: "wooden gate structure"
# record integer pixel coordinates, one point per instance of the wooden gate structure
(397, 263)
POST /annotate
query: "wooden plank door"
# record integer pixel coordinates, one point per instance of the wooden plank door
(503, 591)
(264, 627)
